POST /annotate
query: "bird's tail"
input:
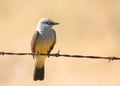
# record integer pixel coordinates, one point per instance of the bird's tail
(39, 68)
(39, 73)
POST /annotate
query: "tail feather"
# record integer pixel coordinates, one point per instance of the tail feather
(39, 73)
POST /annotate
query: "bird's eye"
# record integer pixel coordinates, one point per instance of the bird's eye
(47, 22)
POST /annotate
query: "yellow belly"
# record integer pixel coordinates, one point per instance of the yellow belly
(41, 48)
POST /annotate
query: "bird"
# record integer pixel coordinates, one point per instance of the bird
(43, 41)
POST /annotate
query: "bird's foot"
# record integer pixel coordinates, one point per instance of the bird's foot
(37, 54)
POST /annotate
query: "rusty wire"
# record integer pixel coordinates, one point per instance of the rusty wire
(63, 55)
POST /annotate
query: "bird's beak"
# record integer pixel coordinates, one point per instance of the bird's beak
(55, 23)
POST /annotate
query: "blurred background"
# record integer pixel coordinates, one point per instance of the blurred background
(87, 27)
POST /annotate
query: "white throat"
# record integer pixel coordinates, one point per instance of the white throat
(44, 29)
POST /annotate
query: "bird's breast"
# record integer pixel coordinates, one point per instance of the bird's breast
(45, 40)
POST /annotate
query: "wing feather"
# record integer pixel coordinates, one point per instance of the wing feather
(34, 41)
(52, 46)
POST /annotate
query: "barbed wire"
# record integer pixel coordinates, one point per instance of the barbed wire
(62, 55)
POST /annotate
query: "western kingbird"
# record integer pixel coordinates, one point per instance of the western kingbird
(43, 41)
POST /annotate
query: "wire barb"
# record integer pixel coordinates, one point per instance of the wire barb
(62, 55)
(2, 53)
(111, 59)
(58, 53)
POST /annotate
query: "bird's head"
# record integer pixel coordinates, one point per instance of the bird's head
(46, 22)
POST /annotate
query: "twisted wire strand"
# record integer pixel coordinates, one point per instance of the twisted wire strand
(62, 55)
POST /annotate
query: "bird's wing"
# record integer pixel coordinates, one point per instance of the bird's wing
(34, 41)
(52, 46)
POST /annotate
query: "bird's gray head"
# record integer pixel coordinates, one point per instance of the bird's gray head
(46, 23)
